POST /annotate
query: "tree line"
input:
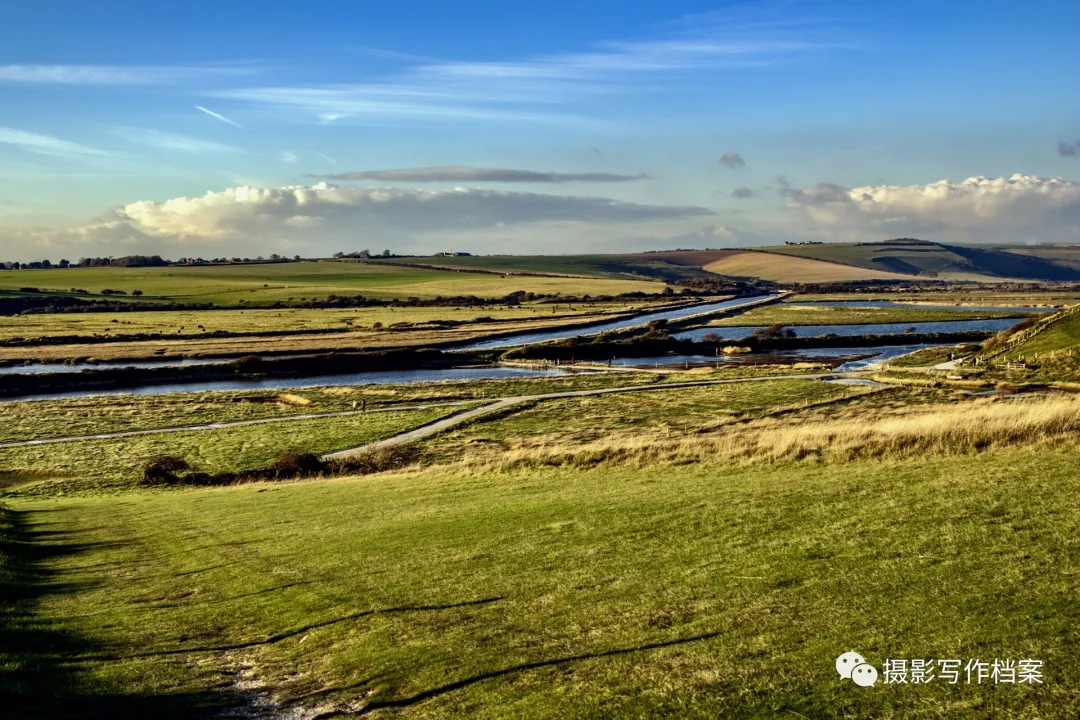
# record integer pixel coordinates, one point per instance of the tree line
(139, 261)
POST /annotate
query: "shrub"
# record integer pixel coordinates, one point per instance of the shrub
(297, 464)
(379, 459)
(162, 469)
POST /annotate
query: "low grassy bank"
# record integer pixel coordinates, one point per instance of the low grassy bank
(248, 367)
(801, 314)
(555, 426)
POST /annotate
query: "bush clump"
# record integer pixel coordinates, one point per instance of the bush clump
(379, 459)
(162, 470)
(297, 464)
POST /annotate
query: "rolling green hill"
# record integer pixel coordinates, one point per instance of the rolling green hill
(943, 261)
(666, 266)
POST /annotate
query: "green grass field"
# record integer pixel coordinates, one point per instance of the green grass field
(699, 591)
(275, 320)
(257, 285)
(664, 553)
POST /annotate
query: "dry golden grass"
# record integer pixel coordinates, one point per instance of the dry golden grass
(879, 432)
(787, 268)
(292, 400)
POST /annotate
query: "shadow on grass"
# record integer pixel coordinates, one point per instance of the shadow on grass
(285, 635)
(460, 684)
(37, 679)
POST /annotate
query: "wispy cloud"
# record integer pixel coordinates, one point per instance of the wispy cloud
(289, 157)
(327, 158)
(219, 116)
(533, 89)
(47, 144)
(116, 74)
(473, 174)
(171, 141)
(1069, 150)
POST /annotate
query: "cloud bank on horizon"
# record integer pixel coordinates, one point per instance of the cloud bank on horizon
(322, 218)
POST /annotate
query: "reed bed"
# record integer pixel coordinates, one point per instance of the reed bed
(944, 429)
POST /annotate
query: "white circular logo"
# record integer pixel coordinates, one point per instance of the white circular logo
(847, 662)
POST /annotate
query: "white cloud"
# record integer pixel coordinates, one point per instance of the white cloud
(46, 144)
(979, 208)
(289, 157)
(170, 141)
(113, 74)
(327, 217)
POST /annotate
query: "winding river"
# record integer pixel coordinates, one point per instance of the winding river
(394, 377)
(475, 373)
(681, 313)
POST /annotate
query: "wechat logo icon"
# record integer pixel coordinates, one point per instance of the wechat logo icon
(853, 666)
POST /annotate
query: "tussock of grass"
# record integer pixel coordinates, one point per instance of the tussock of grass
(935, 429)
(292, 399)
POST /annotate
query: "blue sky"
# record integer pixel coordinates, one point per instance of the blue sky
(175, 130)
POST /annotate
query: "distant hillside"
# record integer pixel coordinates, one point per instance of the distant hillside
(667, 267)
(946, 262)
(826, 263)
(790, 268)
(1063, 255)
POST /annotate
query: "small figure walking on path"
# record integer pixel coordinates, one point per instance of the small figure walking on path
(363, 405)
(353, 404)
